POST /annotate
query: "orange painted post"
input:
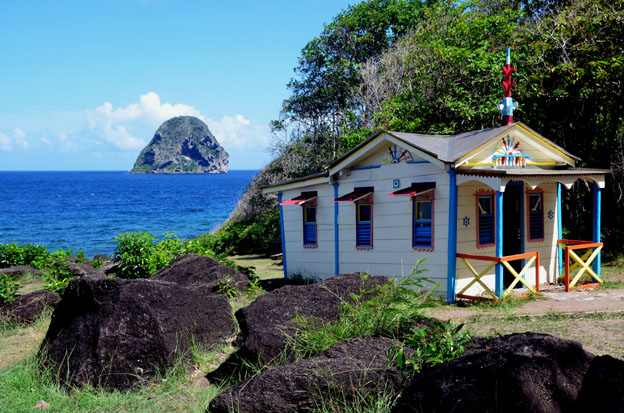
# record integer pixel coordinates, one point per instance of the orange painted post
(537, 271)
(566, 257)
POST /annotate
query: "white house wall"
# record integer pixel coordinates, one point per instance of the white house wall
(392, 253)
(317, 261)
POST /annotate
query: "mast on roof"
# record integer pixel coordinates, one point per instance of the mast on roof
(508, 105)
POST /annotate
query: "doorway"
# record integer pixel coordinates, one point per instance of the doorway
(513, 237)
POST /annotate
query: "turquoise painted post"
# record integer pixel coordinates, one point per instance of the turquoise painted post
(499, 243)
(281, 212)
(597, 211)
(559, 229)
(452, 239)
(336, 233)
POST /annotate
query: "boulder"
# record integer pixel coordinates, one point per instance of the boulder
(266, 322)
(116, 333)
(603, 386)
(27, 308)
(202, 274)
(349, 370)
(19, 270)
(515, 373)
(78, 269)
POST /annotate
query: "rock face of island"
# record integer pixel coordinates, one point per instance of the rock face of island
(182, 145)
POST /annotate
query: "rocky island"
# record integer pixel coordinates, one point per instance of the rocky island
(182, 145)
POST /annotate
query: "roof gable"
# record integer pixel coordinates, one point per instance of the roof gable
(514, 146)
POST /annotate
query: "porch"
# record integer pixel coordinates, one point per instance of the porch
(526, 246)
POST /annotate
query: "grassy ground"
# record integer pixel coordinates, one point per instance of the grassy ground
(22, 384)
(265, 267)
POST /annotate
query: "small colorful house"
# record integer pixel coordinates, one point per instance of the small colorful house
(483, 208)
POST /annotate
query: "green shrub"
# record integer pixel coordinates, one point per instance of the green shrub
(133, 254)
(8, 288)
(56, 272)
(11, 255)
(35, 255)
(390, 313)
(427, 347)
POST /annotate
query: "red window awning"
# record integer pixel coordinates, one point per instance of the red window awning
(303, 197)
(417, 188)
(356, 195)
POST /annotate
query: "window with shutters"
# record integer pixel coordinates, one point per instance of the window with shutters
(309, 226)
(364, 224)
(535, 215)
(422, 222)
(486, 224)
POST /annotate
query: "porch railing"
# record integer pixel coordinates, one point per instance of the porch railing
(533, 257)
(583, 262)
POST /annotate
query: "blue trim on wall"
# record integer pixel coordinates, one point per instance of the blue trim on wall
(417, 162)
(281, 212)
(361, 168)
(498, 200)
(597, 213)
(336, 240)
(452, 239)
(559, 229)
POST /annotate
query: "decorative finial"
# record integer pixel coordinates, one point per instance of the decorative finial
(508, 105)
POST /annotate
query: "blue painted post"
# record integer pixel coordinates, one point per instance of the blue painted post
(281, 212)
(597, 211)
(499, 243)
(452, 239)
(336, 233)
(559, 228)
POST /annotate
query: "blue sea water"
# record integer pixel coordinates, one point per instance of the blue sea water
(86, 210)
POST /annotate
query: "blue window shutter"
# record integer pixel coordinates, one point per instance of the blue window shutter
(363, 234)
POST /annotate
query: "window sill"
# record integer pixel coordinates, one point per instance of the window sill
(485, 246)
(535, 240)
(310, 246)
(363, 248)
(423, 249)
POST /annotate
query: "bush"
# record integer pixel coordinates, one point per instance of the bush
(56, 272)
(390, 313)
(11, 255)
(8, 288)
(133, 254)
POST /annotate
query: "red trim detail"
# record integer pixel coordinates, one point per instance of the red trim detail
(417, 188)
(356, 195)
(300, 199)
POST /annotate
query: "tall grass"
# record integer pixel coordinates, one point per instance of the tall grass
(25, 383)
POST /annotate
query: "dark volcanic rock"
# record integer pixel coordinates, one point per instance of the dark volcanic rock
(78, 269)
(27, 308)
(603, 387)
(265, 323)
(182, 144)
(115, 332)
(526, 372)
(21, 270)
(356, 366)
(201, 274)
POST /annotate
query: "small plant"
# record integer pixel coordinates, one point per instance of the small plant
(226, 285)
(8, 288)
(96, 263)
(427, 347)
(11, 255)
(133, 254)
(56, 273)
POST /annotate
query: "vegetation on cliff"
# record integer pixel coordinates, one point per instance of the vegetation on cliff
(434, 67)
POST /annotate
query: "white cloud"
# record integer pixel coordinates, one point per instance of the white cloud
(132, 126)
(240, 133)
(18, 138)
(5, 142)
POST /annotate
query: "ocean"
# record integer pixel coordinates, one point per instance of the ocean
(85, 210)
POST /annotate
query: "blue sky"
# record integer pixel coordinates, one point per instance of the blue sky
(85, 84)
